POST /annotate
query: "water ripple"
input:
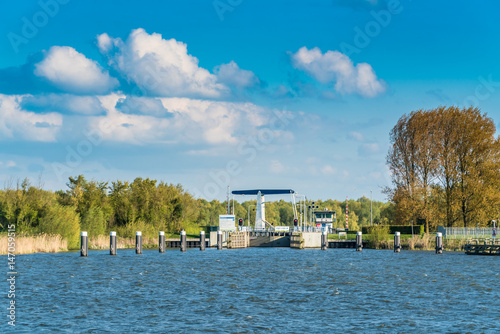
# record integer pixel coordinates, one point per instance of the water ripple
(276, 290)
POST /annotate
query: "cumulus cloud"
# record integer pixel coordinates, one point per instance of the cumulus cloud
(63, 103)
(142, 105)
(355, 135)
(105, 43)
(19, 124)
(334, 66)
(181, 120)
(232, 75)
(160, 67)
(216, 122)
(71, 71)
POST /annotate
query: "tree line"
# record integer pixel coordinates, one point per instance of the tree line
(445, 168)
(146, 205)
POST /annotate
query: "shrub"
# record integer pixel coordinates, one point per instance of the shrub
(94, 222)
(378, 235)
(403, 229)
(64, 221)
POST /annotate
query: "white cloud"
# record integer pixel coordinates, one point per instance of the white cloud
(16, 123)
(215, 121)
(160, 67)
(312, 160)
(334, 66)
(190, 121)
(276, 167)
(104, 42)
(71, 71)
(355, 135)
(143, 105)
(368, 149)
(10, 163)
(128, 128)
(232, 75)
(328, 170)
(64, 103)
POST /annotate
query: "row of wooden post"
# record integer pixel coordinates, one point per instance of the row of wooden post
(324, 242)
(84, 242)
(397, 242)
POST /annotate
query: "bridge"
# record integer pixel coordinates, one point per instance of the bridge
(260, 212)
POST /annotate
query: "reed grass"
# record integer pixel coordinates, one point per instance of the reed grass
(102, 242)
(39, 243)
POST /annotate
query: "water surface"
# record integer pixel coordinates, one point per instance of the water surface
(275, 290)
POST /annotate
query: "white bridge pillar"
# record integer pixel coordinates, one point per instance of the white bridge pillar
(260, 213)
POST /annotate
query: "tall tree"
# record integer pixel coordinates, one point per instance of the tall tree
(445, 166)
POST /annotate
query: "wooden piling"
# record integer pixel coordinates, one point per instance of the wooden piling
(84, 242)
(324, 240)
(112, 243)
(359, 241)
(183, 241)
(161, 242)
(138, 242)
(219, 240)
(439, 243)
(202, 240)
(397, 242)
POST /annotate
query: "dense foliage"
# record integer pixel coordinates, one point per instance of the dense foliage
(149, 206)
(445, 168)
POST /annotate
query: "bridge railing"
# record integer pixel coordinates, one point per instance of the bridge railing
(465, 232)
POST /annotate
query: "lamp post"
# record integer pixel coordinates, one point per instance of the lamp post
(233, 205)
(302, 199)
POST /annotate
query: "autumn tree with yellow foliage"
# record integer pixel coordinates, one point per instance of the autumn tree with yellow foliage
(445, 167)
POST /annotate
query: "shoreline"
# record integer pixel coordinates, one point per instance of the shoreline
(44, 243)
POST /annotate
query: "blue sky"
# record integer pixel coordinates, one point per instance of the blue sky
(284, 94)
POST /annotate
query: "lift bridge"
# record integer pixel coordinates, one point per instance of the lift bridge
(260, 212)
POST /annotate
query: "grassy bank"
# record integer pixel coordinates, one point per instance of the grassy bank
(102, 242)
(408, 242)
(47, 243)
(40, 243)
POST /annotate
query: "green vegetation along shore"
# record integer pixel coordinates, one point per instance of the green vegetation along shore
(142, 205)
(47, 221)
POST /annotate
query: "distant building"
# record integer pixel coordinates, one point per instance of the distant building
(324, 218)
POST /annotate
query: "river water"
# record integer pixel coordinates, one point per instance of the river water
(274, 290)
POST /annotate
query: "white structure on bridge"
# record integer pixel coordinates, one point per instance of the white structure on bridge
(260, 212)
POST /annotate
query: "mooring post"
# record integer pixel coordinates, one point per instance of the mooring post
(112, 243)
(439, 243)
(324, 240)
(84, 244)
(161, 242)
(183, 241)
(397, 242)
(138, 242)
(202, 240)
(359, 241)
(219, 240)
